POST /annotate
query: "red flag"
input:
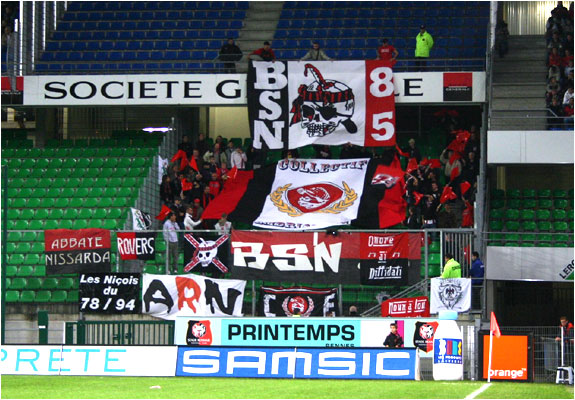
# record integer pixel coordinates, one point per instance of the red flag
(435, 163)
(183, 161)
(456, 146)
(464, 187)
(229, 197)
(233, 172)
(494, 326)
(411, 165)
(401, 152)
(392, 206)
(424, 161)
(194, 164)
(447, 194)
(186, 185)
(467, 215)
(163, 212)
(454, 157)
(178, 155)
(418, 197)
(454, 173)
(395, 163)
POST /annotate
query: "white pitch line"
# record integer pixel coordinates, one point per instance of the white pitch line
(478, 391)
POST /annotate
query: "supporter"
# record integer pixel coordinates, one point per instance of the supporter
(171, 237)
(201, 144)
(177, 185)
(446, 216)
(555, 43)
(470, 168)
(476, 272)
(569, 44)
(473, 142)
(196, 156)
(230, 53)
(189, 223)
(206, 173)
(352, 312)
(568, 95)
(223, 226)
(451, 163)
(239, 159)
(322, 152)
(568, 57)
(567, 328)
(255, 158)
(197, 188)
(555, 111)
(568, 114)
(291, 153)
(350, 151)
(413, 220)
(554, 72)
(315, 53)
(451, 269)
(423, 45)
(215, 185)
(230, 148)
(179, 210)
(555, 58)
(413, 150)
(218, 155)
(501, 38)
(394, 339)
(166, 192)
(552, 90)
(429, 204)
(263, 54)
(186, 145)
(560, 10)
(387, 52)
(206, 197)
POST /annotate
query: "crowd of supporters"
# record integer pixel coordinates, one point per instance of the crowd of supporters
(559, 93)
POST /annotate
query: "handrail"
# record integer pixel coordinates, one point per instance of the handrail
(419, 286)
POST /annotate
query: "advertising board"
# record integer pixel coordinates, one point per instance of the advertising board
(512, 357)
(309, 363)
(88, 360)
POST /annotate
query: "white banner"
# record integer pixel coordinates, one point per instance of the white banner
(450, 294)
(314, 194)
(551, 264)
(201, 89)
(138, 89)
(171, 296)
(162, 168)
(141, 221)
(88, 360)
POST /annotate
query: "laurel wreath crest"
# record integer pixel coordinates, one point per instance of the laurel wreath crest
(336, 208)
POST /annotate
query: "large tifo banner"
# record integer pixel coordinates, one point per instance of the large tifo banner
(294, 363)
(83, 250)
(318, 257)
(293, 104)
(282, 302)
(314, 194)
(512, 263)
(450, 294)
(88, 360)
(169, 296)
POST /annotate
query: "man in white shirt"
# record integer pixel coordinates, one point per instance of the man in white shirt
(189, 222)
(239, 158)
(171, 229)
(223, 226)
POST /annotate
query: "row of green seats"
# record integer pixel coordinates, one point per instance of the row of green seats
(66, 213)
(531, 203)
(528, 244)
(532, 193)
(48, 202)
(17, 144)
(37, 283)
(529, 214)
(532, 237)
(82, 152)
(21, 225)
(72, 182)
(531, 226)
(83, 192)
(140, 141)
(42, 296)
(84, 162)
(133, 172)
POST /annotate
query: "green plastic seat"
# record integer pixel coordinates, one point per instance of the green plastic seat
(10, 247)
(91, 202)
(570, 215)
(18, 203)
(130, 182)
(55, 213)
(23, 247)
(30, 236)
(82, 192)
(13, 214)
(96, 192)
(25, 270)
(513, 194)
(497, 203)
(31, 259)
(527, 244)
(85, 213)
(70, 163)
(91, 173)
(37, 224)
(512, 226)
(55, 163)
(70, 213)
(65, 284)
(102, 152)
(560, 226)
(66, 224)
(542, 214)
(21, 225)
(119, 172)
(545, 237)
(527, 215)
(116, 152)
(83, 162)
(512, 237)
(561, 238)
(528, 193)
(11, 270)
(59, 296)
(51, 224)
(12, 296)
(17, 284)
(545, 244)
(53, 192)
(529, 203)
(120, 202)
(98, 182)
(544, 193)
(561, 245)
(25, 192)
(72, 296)
(529, 237)
(511, 244)
(37, 247)
(48, 202)
(14, 236)
(544, 226)
(80, 224)
(434, 270)
(529, 226)
(559, 194)
(76, 202)
(106, 172)
(514, 203)
(115, 213)
(33, 283)
(497, 194)
(42, 163)
(558, 214)
(43, 296)
(50, 283)
(27, 214)
(100, 213)
(111, 191)
(150, 269)
(110, 224)
(62, 202)
(72, 182)
(495, 225)
(560, 203)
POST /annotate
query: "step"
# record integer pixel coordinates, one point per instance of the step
(520, 77)
(266, 5)
(256, 37)
(518, 103)
(518, 124)
(520, 66)
(518, 91)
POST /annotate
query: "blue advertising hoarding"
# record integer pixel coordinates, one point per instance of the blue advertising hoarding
(294, 363)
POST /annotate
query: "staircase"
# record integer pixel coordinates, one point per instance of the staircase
(519, 82)
(259, 25)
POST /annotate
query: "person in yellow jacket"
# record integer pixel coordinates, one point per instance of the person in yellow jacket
(423, 45)
(451, 269)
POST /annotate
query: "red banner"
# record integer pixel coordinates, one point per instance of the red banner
(380, 104)
(407, 307)
(83, 250)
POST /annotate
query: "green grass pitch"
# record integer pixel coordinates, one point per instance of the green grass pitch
(90, 387)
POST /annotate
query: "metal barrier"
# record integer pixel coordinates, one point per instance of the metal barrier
(131, 333)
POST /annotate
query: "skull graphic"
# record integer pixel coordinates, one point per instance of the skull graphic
(323, 105)
(207, 251)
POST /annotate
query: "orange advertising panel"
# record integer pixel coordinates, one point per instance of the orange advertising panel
(510, 358)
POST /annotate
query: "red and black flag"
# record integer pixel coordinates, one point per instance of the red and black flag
(309, 302)
(137, 245)
(82, 250)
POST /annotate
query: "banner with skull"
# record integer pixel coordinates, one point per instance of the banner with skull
(450, 294)
(309, 302)
(206, 252)
(330, 103)
(313, 194)
(171, 296)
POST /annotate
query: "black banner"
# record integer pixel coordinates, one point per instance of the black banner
(110, 293)
(137, 245)
(423, 335)
(206, 252)
(280, 302)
